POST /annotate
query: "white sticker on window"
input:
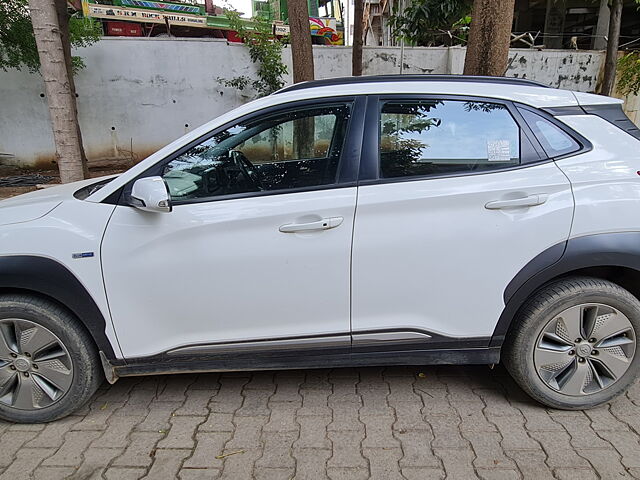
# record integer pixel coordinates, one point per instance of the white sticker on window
(498, 151)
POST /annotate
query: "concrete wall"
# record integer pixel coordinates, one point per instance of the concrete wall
(136, 95)
(632, 107)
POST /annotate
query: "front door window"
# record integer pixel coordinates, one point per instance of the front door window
(285, 151)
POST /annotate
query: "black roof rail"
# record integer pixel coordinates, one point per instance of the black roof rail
(327, 82)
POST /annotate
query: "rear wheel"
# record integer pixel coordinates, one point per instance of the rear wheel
(573, 345)
(48, 363)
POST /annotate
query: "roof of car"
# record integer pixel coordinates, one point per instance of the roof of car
(521, 90)
(410, 78)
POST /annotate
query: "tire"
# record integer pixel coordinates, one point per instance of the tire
(586, 373)
(49, 364)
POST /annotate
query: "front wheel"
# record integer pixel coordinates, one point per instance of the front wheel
(48, 363)
(573, 345)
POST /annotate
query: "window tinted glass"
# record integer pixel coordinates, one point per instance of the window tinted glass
(552, 138)
(435, 137)
(297, 149)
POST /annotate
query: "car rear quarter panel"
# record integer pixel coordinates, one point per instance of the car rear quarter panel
(605, 180)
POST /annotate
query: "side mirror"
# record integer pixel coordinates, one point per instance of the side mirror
(151, 195)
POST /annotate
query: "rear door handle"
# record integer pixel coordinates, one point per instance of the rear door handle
(530, 201)
(323, 224)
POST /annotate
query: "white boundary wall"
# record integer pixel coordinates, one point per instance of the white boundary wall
(136, 95)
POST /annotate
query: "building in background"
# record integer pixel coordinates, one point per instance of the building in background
(574, 24)
(571, 24)
(377, 28)
(149, 18)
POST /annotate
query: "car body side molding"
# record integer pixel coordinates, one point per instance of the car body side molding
(620, 249)
(315, 358)
(52, 279)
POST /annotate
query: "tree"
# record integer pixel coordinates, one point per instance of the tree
(302, 56)
(628, 71)
(426, 22)
(301, 50)
(629, 74)
(358, 38)
(613, 40)
(489, 37)
(264, 50)
(18, 45)
(59, 89)
(18, 49)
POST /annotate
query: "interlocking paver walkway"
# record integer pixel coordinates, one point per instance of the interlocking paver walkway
(381, 423)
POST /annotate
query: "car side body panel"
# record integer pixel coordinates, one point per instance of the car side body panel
(223, 272)
(428, 255)
(63, 249)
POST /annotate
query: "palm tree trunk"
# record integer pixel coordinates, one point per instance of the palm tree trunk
(58, 88)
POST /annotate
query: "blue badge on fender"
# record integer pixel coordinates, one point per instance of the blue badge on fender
(82, 255)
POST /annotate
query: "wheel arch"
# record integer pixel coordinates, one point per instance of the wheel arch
(610, 256)
(47, 278)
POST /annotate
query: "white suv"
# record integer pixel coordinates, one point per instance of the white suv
(357, 221)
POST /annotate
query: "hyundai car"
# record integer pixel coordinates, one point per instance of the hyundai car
(383, 220)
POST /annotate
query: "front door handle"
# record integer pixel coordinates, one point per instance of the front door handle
(322, 224)
(530, 201)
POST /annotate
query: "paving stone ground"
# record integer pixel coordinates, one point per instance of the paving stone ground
(381, 423)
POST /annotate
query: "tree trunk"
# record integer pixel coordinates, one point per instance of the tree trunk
(301, 51)
(358, 30)
(63, 22)
(489, 37)
(554, 22)
(57, 87)
(611, 61)
(302, 55)
(602, 27)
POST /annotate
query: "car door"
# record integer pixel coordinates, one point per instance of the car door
(255, 253)
(456, 197)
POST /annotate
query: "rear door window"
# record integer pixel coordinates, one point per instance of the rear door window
(440, 137)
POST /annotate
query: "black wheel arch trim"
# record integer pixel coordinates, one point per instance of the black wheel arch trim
(620, 249)
(50, 278)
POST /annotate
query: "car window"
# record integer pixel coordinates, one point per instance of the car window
(553, 139)
(297, 149)
(435, 137)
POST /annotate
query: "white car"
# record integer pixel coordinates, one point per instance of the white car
(357, 221)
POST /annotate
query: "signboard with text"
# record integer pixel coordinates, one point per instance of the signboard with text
(109, 12)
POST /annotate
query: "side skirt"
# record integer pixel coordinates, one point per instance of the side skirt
(162, 364)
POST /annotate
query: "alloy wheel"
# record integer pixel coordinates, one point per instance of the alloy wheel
(35, 367)
(585, 349)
